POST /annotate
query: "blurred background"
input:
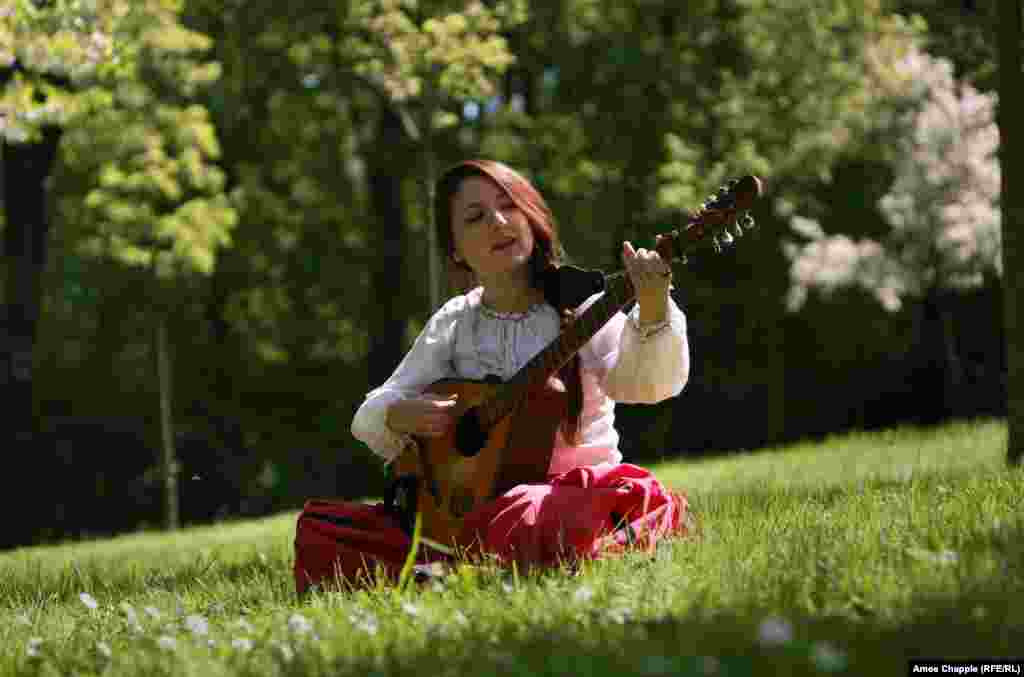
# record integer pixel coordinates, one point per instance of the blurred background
(216, 235)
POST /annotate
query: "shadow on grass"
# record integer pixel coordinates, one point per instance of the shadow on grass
(710, 642)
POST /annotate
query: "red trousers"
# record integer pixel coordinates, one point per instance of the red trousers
(580, 514)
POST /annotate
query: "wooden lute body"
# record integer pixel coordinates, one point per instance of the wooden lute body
(505, 434)
(451, 485)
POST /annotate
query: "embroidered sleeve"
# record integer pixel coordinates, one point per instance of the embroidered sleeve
(640, 364)
(429, 360)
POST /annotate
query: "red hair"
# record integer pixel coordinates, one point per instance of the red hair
(547, 250)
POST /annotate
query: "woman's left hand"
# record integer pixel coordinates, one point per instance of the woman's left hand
(651, 277)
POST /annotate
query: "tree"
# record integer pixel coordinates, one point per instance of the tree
(1011, 129)
(942, 208)
(134, 145)
(40, 54)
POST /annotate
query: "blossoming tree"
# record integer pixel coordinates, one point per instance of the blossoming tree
(942, 208)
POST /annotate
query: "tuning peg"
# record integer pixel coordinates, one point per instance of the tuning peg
(747, 221)
(716, 244)
(725, 237)
(737, 230)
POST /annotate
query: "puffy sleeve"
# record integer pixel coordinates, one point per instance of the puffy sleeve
(636, 364)
(429, 360)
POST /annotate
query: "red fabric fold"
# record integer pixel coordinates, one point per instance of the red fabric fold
(584, 513)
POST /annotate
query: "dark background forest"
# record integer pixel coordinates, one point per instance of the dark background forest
(243, 191)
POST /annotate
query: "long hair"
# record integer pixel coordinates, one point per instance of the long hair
(547, 251)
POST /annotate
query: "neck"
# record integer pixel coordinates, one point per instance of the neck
(511, 293)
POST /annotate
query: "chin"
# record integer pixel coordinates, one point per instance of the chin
(509, 264)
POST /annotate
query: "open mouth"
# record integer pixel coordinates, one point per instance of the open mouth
(502, 246)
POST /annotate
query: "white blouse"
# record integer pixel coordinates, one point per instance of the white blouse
(467, 340)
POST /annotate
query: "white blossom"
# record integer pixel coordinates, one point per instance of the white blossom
(583, 595)
(942, 207)
(299, 624)
(827, 658)
(774, 631)
(241, 644)
(88, 600)
(197, 625)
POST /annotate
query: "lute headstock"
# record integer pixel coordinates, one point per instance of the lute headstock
(722, 218)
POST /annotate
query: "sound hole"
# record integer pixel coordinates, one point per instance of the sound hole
(461, 501)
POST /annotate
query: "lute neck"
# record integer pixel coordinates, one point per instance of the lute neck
(618, 293)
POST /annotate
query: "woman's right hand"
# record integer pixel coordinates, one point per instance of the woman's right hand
(427, 415)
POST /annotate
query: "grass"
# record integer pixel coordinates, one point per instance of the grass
(846, 556)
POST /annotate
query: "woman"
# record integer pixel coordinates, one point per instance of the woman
(499, 239)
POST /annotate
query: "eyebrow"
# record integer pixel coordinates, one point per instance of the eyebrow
(480, 204)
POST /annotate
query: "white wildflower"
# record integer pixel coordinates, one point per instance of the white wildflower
(131, 617)
(34, 646)
(197, 625)
(828, 658)
(286, 651)
(943, 557)
(241, 644)
(103, 649)
(299, 624)
(366, 622)
(410, 609)
(88, 600)
(583, 595)
(460, 618)
(620, 615)
(775, 631)
(167, 642)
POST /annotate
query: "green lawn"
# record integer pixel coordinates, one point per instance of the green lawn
(847, 556)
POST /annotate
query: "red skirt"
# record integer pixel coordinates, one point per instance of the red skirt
(580, 514)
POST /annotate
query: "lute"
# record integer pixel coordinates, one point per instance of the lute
(505, 432)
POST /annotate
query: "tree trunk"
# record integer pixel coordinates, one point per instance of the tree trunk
(1011, 154)
(387, 324)
(435, 269)
(168, 462)
(25, 173)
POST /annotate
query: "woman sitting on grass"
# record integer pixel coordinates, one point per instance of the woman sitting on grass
(497, 234)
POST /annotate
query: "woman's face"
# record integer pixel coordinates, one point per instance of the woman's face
(492, 236)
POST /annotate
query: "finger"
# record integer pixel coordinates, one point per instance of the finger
(439, 396)
(628, 253)
(439, 420)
